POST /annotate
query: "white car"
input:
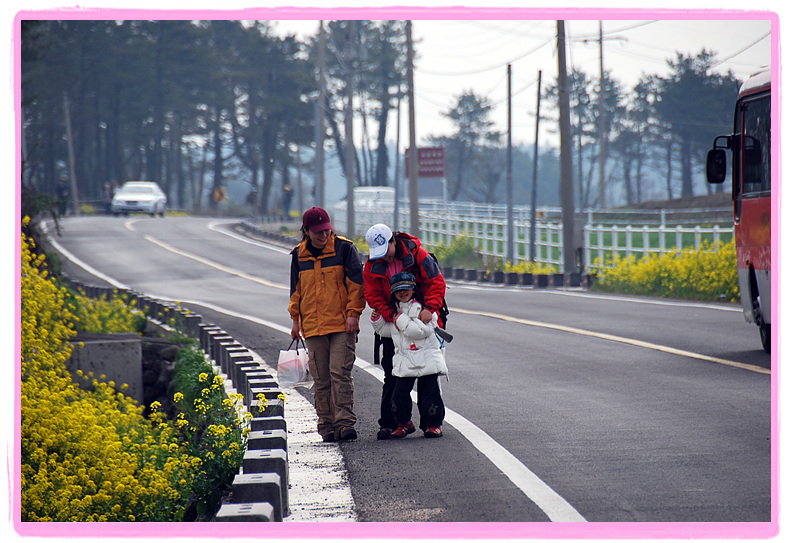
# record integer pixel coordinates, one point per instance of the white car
(139, 196)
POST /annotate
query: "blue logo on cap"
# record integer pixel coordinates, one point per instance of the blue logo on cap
(379, 240)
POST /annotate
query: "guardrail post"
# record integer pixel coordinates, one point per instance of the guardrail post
(678, 239)
(615, 243)
(628, 242)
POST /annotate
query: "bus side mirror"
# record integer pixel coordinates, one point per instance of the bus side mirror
(716, 166)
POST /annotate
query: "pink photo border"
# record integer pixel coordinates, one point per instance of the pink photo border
(441, 531)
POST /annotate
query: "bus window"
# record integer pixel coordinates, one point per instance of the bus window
(756, 147)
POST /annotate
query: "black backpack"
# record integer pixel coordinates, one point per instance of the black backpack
(443, 311)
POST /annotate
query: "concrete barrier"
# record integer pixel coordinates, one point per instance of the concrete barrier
(254, 394)
(236, 361)
(499, 277)
(251, 372)
(267, 439)
(260, 487)
(258, 424)
(217, 343)
(225, 349)
(269, 461)
(272, 408)
(245, 512)
(203, 337)
(214, 336)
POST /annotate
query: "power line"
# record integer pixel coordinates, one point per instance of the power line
(758, 40)
(497, 66)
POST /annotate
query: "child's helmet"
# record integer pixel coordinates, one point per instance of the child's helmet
(402, 281)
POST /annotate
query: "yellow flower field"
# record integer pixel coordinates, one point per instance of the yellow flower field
(91, 455)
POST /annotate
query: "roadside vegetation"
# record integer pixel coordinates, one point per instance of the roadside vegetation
(88, 453)
(707, 274)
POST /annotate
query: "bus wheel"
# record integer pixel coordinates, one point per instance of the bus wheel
(765, 336)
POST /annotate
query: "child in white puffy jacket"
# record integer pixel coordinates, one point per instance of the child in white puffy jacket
(419, 356)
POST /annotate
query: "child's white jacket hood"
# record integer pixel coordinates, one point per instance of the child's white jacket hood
(418, 351)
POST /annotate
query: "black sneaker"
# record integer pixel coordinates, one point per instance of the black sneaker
(347, 434)
(384, 433)
(329, 437)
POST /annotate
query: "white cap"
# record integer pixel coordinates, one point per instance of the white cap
(378, 238)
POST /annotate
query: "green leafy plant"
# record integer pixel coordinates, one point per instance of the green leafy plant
(460, 253)
(212, 427)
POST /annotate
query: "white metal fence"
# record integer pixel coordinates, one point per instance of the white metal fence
(602, 234)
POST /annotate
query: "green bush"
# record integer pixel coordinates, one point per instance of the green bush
(212, 427)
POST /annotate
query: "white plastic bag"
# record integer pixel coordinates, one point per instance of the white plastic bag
(293, 368)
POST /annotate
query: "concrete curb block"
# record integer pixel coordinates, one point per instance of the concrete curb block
(260, 490)
(535, 281)
(246, 512)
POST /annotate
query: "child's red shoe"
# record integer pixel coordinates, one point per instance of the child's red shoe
(403, 430)
(434, 431)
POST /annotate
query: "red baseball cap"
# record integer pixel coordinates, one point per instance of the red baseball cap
(316, 219)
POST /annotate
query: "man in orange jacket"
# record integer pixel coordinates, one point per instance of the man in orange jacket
(327, 299)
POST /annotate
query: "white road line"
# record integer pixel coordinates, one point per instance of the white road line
(62, 250)
(618, 339)
(580, 294)
(216, 265)
(551, 503)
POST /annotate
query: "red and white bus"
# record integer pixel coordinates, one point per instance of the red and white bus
(750, 143)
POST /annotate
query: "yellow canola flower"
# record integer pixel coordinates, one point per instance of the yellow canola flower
(90, 455)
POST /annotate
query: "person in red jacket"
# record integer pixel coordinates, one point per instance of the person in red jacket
(390, 253)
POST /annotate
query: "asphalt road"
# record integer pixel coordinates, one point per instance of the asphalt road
(564, 405)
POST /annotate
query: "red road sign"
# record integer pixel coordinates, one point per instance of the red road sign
(430, 160)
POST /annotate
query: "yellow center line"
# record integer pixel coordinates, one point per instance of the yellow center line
(216, 265)
(619, 339)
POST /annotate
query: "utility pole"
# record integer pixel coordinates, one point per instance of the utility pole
(350, 56)
(398, 184)
(533, 222)
(414, 189)
(566, 157)
(510, 229)
(72, 175)
(299, 179)
(601, 127)
(320, 130)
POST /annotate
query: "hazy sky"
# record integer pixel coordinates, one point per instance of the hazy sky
(459, 55)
